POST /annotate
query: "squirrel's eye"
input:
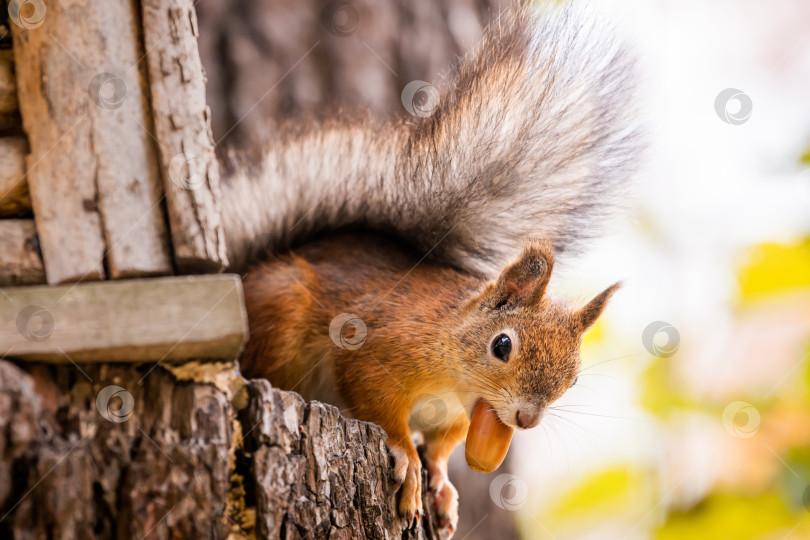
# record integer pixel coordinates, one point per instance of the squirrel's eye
(575, 381)
(501, 347)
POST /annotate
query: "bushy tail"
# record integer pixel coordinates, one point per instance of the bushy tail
(532, 136)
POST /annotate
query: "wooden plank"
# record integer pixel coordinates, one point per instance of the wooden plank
(143, 320)
(183, 130)
(20, 263)
(92, 171)
(14, 197)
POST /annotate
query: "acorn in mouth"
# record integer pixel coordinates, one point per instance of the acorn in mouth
(488, 439)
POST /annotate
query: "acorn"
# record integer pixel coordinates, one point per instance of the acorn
(488, 439)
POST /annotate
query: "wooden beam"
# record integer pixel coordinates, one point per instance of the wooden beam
(20, 263)
(183, 131)
(92, 171)
(143, 320)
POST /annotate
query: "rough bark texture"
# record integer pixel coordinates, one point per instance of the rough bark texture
(183, 132)
(20, 262)
(92, 170)
(198, 452)
(283, 59)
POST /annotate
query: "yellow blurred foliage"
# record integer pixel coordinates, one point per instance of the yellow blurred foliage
(728, 516)
(774, 268)
(606, 493)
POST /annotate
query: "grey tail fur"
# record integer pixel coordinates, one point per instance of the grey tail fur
(533, 136)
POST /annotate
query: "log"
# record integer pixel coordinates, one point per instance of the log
(192, 452)
(144, 320)
(14, 198)
(20, 262)
(183, 132)
(92, 171)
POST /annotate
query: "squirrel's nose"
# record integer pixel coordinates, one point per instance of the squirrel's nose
(527, 418)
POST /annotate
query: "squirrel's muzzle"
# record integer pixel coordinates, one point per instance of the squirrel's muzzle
(528, 418)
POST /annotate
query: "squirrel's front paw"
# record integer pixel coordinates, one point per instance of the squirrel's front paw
(408, 475)
(445, 499)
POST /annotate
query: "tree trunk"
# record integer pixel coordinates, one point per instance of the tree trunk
(272, 60)
(191, 451)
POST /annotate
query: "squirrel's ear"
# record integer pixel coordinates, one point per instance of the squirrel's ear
(587, 314)
(525, 280)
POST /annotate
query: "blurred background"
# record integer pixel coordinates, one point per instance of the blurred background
(691, 418)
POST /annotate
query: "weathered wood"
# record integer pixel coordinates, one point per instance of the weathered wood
(154, 320)
(14, 197)
(92, 171)
(9, 106)
(20, 263)
(183, 131)
(191, 452)
(8, 85)
(160, 468)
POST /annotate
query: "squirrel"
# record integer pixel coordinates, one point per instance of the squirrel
(433, 239)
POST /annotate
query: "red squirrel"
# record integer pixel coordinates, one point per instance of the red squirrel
(390, 263)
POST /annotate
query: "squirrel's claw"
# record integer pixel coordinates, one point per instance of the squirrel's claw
(408, 477)
(445, 500)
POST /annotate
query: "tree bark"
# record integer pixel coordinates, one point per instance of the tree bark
(194, 452)
(272, 60)
(183, 133)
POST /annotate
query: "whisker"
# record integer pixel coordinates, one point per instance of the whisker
(600, 415)
(610, 360)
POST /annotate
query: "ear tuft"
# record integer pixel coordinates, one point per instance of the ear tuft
(524, 281)
(586, 315)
